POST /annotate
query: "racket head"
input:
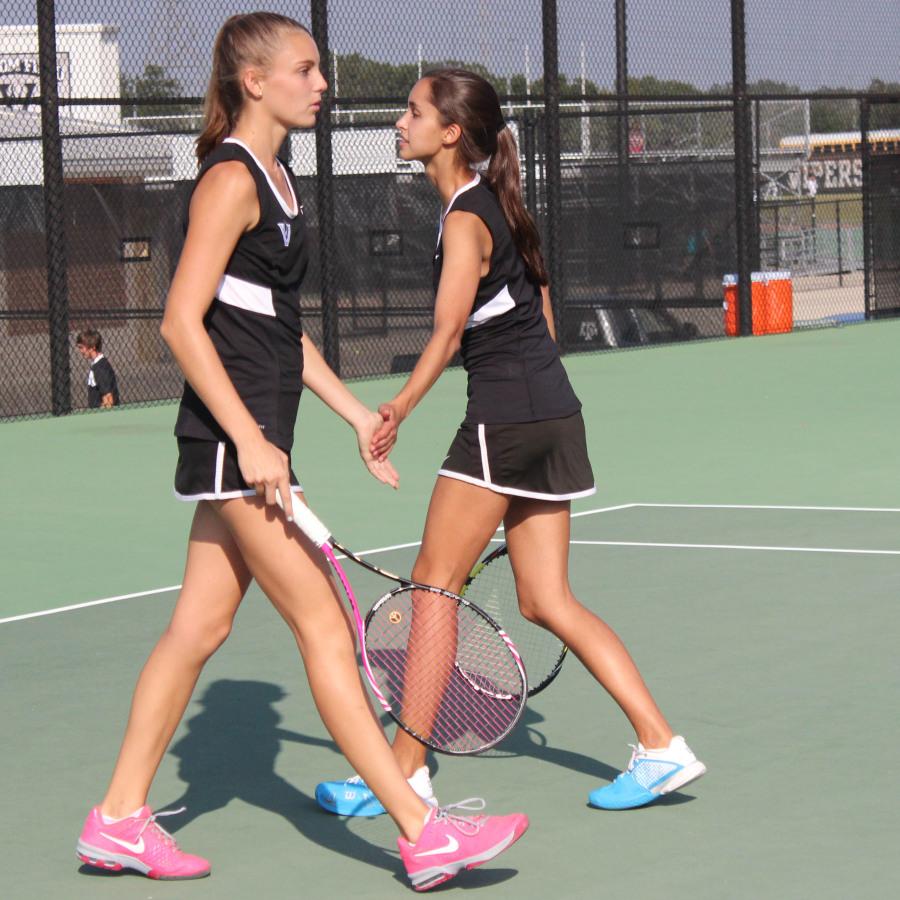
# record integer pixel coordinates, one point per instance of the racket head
(467, 681)
(492, 587)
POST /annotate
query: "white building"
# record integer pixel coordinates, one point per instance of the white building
(97, 144)
(87, 65)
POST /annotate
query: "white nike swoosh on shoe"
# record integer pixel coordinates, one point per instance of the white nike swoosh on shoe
(134, 848)
(451, 846)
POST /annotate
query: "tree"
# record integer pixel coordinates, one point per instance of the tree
(877, 86)
(361, 77)
(650, 85)
(885, 115)
(767, 86)
(153, 84)
(829, 116)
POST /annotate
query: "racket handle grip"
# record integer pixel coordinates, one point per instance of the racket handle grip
(306, 520)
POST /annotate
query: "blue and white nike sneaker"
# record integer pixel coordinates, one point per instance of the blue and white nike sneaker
(353, 798)
(650, 775)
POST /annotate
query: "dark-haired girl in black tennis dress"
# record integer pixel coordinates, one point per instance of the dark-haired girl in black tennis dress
(520, 455)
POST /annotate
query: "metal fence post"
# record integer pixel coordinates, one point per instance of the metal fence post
(866, 204)
(325, 199)
(743, 150)
(758, 182)
(54, 213)
(840, 255)
(777, 235)
(552, 167)
(815, 232)
(623, 129)
(622, 82)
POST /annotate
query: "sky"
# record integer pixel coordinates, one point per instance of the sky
(810, 43)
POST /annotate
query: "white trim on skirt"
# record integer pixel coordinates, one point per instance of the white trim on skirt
(516, 492)
(220, 466)
(485, 466)
(217, 493)
(226, 495)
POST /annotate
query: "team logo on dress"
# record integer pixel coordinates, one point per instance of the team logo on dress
(285, 229)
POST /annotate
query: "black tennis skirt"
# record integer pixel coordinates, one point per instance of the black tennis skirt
(543, 460)
(208, 470)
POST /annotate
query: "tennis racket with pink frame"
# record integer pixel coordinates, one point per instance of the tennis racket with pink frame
(444, 670)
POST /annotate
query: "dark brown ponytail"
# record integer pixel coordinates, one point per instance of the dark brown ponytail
(468, 100)
(505, 179)
(243, 40)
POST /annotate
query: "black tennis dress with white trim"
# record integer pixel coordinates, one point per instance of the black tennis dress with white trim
(523, 433)
(254, 324)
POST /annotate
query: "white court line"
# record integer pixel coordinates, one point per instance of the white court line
(61, 609)
(383, 549)
(175, 587)
(738, 547)
(887, 509)
(163, 590)
(585, 512)
(593, 512)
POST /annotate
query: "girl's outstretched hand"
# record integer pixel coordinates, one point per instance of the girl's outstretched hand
(379, 465)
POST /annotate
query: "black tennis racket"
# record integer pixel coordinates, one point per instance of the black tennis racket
(492, 587)
(443, 669)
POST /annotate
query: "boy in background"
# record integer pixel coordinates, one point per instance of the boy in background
(102, 388)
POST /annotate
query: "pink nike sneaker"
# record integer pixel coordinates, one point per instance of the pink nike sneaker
(138, 843)
(451, 843)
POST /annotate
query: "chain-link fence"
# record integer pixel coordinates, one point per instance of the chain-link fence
(666, 148)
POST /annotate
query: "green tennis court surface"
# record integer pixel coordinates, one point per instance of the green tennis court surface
(745, 542)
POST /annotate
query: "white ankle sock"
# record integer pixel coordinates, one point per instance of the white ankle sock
(109, 820)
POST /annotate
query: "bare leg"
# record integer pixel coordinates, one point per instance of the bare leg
(297, 579)
(537, 533)
(430, 654)
(461, 519)
(215, 580)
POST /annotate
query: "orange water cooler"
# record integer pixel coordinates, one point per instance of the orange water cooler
(771, 295)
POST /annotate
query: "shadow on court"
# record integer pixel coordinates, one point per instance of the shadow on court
(529, 741)
(229, 753)
(230, 750)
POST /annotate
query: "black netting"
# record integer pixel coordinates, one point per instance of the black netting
(652, 175)
(645, 249)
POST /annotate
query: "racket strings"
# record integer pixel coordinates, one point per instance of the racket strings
(493, 588)
(450, 676)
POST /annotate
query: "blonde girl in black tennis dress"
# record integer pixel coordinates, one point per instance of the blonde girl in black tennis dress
(520, 455)
(232, 321)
